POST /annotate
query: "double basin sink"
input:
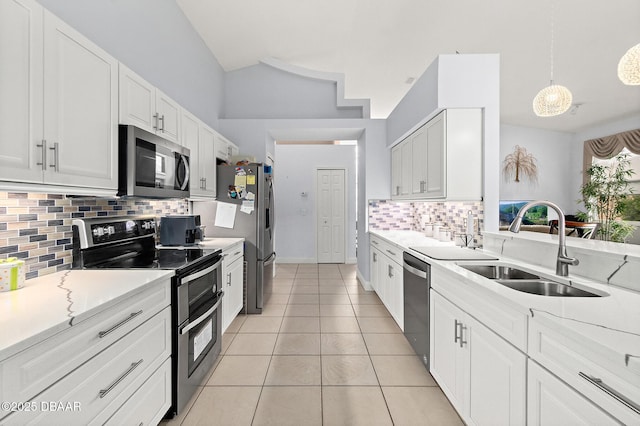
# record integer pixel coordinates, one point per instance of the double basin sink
(528, 282)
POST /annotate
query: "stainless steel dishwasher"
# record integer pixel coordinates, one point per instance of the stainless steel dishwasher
(417, 281)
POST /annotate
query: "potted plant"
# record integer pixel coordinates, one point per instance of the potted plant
(604, 196)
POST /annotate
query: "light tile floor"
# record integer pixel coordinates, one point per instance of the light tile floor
(323, 352)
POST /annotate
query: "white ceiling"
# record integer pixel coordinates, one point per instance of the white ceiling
(378, 44)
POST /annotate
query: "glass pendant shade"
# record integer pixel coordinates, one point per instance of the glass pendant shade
(629, 67)
(552, 100)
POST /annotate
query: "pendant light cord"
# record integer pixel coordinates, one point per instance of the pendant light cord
(552, 40)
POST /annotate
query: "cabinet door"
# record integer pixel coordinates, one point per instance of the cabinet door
(435, 157)
(137, 101)
(552, 402)
(190, 138)
(80, 109)
(448, 363)
(396, 171)
(168, 117)
(207, 159)
(396, 294)
(374, 268)
(236, 285)
(221, 148)
(497, 378)
(21, 72)
(419, 162)
(406, 169)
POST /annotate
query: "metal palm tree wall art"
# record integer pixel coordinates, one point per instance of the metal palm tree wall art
(520, 162)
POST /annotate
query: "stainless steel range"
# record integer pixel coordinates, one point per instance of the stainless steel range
(130, 242)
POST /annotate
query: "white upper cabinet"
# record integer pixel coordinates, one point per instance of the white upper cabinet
(225, 149)
(81, 109)
(442, 159)
(199, 138)
(21, 70)
(144, 106)
(58, 107)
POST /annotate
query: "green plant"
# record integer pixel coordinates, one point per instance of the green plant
(604, 196)
(631, 208)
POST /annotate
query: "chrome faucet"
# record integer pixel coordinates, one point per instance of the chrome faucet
(563, 262)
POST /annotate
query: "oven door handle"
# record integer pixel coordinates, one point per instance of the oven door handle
(202, 317)
(199, 274)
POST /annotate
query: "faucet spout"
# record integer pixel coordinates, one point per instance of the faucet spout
(563, 261)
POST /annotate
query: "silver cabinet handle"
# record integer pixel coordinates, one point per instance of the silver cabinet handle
(204, 181)
(56, 157)
(229, 279)
(162, 119)
(611, 392)
(459, 338)
(120, 324)
(237, 253)
(104, 392)
(374, 242)
(390, 271)
(390, 252)
(398, 190)
(375, 257)
(156, 117)
(43, 157)
(423, 185)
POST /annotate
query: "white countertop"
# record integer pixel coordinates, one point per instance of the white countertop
(611, 322)
(405, 239)
(50, 304)
(219, 243)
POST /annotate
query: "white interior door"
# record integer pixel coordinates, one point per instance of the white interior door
(331, 208)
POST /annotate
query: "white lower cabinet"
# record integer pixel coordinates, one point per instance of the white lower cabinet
(386, 277)
(483, 376)
(552, 402)
(104, 367)
(232, 283)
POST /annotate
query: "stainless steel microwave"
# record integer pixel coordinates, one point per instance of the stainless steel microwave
(151, 166)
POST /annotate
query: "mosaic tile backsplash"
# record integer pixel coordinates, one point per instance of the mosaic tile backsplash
(37, 227)
(412, 215)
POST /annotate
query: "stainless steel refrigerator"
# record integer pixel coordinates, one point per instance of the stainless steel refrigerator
(250, 189)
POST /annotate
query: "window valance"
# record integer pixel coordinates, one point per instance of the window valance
(609, 146)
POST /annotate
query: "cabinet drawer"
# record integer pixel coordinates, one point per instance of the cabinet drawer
(233, 253)
(28, 373)
(150, 402)
(103, 384)
(593, 371)
(391, 251)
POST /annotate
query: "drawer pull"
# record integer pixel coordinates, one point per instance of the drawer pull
(120, 324)
(613, 393)
(133, 366)
(374, 242)
(237, 253)
(390, 252)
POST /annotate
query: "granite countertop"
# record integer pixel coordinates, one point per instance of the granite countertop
(50, 304)
(611, 323)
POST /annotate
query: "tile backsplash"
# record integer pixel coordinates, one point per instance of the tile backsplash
(37, 227)
(412, 215)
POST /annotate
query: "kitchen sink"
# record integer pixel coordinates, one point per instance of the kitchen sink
(545, 287)
(495, 272)
(527, 281)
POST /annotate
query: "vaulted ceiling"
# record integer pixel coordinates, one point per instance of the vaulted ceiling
(379, 44)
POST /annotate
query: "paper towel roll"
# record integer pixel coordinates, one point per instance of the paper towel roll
(12, 275)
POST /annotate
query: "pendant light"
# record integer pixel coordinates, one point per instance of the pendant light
(553, 99)
(629, 67)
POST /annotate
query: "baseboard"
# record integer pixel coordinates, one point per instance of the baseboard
(365, 284)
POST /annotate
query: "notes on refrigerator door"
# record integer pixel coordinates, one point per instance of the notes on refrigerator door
(225, 215)
(247, 206)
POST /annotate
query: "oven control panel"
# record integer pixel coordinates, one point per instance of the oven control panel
(122, 230)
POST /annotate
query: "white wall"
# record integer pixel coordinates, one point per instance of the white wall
(262, 91)
(296, 214)
(154, 39)
(555, 152)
